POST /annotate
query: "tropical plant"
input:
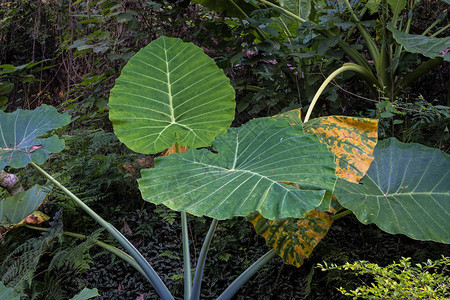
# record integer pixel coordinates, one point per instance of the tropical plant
(290, 178)
(386, 67)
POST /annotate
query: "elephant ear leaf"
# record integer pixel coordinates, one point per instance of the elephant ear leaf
(293, 239)
(20, 136)
(428, 46)
(170, 92)
(17, 208)
(406, 190)
(352, 140)
(246, 174)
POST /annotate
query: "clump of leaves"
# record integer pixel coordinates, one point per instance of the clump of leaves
(402, 280)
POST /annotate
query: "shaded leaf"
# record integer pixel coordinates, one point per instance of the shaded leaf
(170, 92)
(429, 46)
(397, 6)
(352, 140)
(86, 294)
(20, 133)
(227, 8)
(406, 190)
(293, 239)
(246, 174)
(16, 208)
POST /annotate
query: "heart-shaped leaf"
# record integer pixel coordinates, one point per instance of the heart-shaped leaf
(293, 239)
(406, 190)
(170, 92)
(246, 174)
(16, 208)
(20, 132)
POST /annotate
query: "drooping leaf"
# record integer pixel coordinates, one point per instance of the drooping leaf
(20, 136)
(429, 46)
(352, 140)
(169, 92)
(7, 293)
(16, 208)
(406, 190)
(293, 239)
(246, 174)
(86, 294)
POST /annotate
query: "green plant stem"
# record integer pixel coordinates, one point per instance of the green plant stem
(155, 280)
(346, 67)
(371, 45)
(114, 250)
(201, 261)
(246, 275)
(440, 30)
(186, 257)
(341, 214)
(186, 252)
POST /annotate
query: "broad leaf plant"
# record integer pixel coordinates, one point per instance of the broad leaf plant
(291, 178)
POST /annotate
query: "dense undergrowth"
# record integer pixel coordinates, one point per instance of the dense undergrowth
(68, 54)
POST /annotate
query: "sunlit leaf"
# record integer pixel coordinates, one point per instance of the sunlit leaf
(16, 208)
(293, 239)
(406, 190)
(352, 140)
(170, 92)
(246, 174)
(20, 135)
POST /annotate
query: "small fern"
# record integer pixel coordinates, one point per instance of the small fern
(75, 259)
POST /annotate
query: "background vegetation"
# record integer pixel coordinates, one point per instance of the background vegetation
(68, 53)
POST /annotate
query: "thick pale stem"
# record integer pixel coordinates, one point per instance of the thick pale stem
(201, 261)
(346, 67)
(124, 256)
(10, 183)
(186, 257)
(155, 280)
(246, 275)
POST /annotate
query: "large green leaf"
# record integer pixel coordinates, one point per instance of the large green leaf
(406, 190)
(170, 92)
(429, 46)
(20, 132)
(16, 208)
(246, 175)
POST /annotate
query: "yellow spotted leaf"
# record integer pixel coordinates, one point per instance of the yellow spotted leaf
(352, 140)
(35, 218)
(293, 239)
